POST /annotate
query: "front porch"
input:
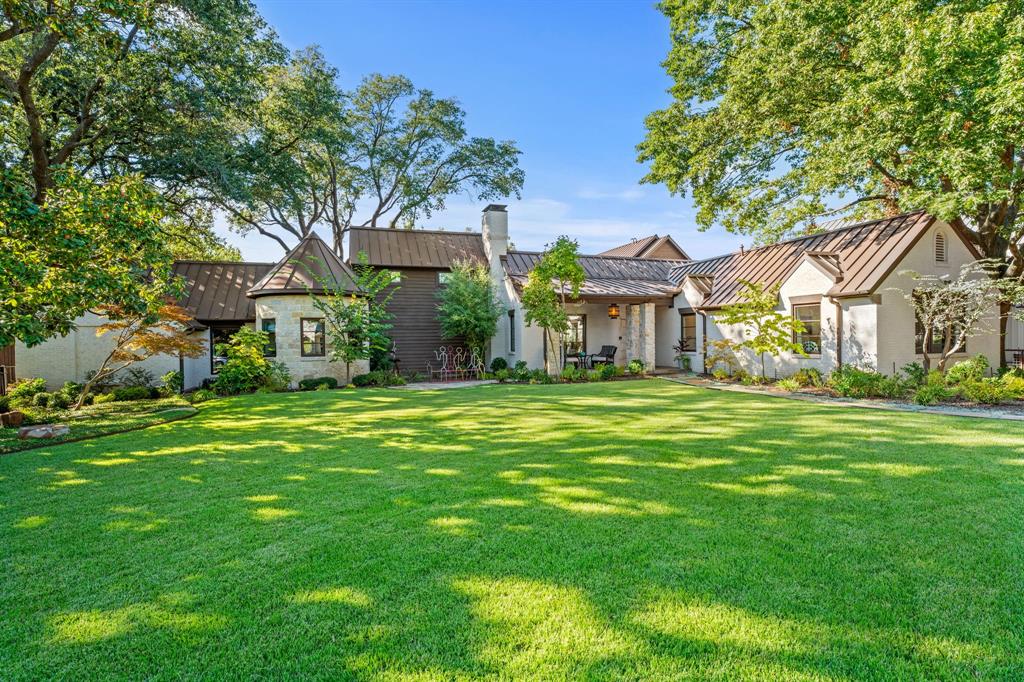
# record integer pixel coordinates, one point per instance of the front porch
(644, 329)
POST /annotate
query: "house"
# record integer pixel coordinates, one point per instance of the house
(652, 246)
(222, 297)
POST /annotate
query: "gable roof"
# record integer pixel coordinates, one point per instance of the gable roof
(647, 247)
(215, 291)
(303, 269)
(861, 256)
(436, 249)
(606, 276)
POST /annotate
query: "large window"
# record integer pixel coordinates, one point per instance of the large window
(576, 336)
(810, 338)
(313, 342)
(269, 325)
(689, 333)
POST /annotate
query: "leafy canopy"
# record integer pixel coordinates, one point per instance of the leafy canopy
(786, 111)
(765, 329)
(467, 305)
(557, 276)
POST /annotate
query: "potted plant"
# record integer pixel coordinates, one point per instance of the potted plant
(683, 357)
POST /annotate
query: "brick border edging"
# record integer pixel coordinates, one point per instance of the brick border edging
(45, 443)
(853, 402)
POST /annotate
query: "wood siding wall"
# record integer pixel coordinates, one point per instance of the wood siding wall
(7, 356)
(415, 329)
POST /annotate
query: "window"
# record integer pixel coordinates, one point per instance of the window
(269, 325)
(940, 248)
(511, 331)
(689, 331)
(218, 337)
(810, 338)
(313, 345)
(443, 278)
(576, 337)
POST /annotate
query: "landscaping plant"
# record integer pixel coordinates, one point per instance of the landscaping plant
(246, 368)
(468, 306)
(557, 277)
(765, 329)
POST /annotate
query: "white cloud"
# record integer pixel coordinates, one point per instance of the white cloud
(627, 194)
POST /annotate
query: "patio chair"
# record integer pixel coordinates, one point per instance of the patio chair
(605, 355)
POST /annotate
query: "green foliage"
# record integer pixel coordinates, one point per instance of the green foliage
(174, 381)
(5, 403)
(502, 375)
(765, 329)
(808, 377)
(635, 366)
(520, 372)
(357, 326)
(201, 396)
(468, 307)
(137, 376)
(22, 392)
(782, 110)
(915, 373)
(41, 399)
(557, 276)
(103, 398)
(989, 391)
(608, 370)
(1014, 385)
(499, 363)
(279, 377)
(245, 369)
(965, 371)
(132, 393)
(852, 382)
(790, 384)
(378, 378)
(329, 382)
(720, 373)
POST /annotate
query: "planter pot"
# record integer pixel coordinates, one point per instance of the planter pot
(12, 419)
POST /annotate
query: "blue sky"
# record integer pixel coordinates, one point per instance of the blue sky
(570, 82)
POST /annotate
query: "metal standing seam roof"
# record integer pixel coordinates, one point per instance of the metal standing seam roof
(303, 271)
(864, 255)
(638, 248)
(216, 290)
(395, 248)
(606, 276)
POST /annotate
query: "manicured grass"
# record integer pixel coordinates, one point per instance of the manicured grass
(96, 420)
(637, 530)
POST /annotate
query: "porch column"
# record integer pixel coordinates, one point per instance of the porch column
(632, 332)
(647, 347)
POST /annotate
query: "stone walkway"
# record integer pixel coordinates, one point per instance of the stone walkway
(443, 385)
(1007, 413)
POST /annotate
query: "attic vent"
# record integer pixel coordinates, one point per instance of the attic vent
(940, 247)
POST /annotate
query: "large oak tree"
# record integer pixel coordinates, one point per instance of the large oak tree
(787, 111)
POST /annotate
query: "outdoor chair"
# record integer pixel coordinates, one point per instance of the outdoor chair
(605, 355)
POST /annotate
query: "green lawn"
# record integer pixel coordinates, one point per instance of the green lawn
(625, 530)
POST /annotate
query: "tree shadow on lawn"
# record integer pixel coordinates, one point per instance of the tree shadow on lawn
(639, 529)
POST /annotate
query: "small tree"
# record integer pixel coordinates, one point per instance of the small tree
(140, 336)
(467, 305)
(357, 324)
(765, 329)
(555, 278)
(954, 310)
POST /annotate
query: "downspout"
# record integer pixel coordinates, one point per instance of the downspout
(703, 341)
(839, 331)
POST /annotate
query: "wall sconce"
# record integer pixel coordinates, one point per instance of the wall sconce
(613, 311)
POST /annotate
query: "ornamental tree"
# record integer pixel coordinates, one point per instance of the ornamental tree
(555, 278)
(357, 324)
(89, 245)
(140, 335)
(467, 305)
(765, 329)
(785, 112)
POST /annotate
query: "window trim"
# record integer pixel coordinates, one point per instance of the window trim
(583, 341)
(302, 337)
(683, 315)
(796, 336)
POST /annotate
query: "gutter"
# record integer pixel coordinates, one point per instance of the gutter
(839, 331)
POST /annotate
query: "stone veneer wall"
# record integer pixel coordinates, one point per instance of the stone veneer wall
(288, 311)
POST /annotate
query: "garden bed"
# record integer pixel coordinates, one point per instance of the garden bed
(97, 420)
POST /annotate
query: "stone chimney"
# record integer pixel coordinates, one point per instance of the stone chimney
(495, 232)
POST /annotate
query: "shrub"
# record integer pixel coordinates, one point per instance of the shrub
(22, 392)
(498, 363)
(987, 391)
(378, 378)
(5, 403)
(852, 382)
(174, 381)
(103, 398)
(279, 377)
(246, 369)
(607, 371)
(933, 389)
(595, 375)
(520, 372)
(968, 370)
(791, 384)
(636, 366)
(201, 396)
(71, 390)
(809, 376)
(569, 374)
(137, 376)
(502, 375)
(88, 399)
(329, 382)
(1014, 385)
(740, 375)
(59, 401)
(132, 393)
(41, 399)
(914, 371)
(720, 373)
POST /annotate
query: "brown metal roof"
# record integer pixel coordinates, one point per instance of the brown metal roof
(606, 276)
(392, 248)
(304, 270)
(216, 290)
(863, 255)
(646, 247)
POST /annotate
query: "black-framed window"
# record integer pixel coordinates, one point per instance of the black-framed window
(313, 342)
(511, 331)
(269, 325)
(810, 338)
(220, 335)
(688, 337)
(575, 339)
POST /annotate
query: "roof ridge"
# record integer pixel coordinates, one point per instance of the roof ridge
(417, 230)
(223, 262)
(598, 255)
